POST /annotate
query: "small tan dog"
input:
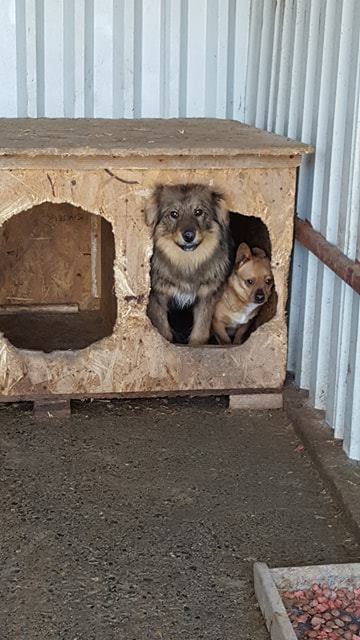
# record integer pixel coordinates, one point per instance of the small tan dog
(247, 289)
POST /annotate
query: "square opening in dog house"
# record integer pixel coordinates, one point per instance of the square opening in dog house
(56, 278)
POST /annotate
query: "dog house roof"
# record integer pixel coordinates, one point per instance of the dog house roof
(142, 143)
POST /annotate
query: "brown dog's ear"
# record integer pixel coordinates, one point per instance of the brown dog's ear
(152, 208)
(222, 212)
(259, 253)
(243, 253)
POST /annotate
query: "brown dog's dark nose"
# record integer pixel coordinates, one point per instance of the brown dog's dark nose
(259, 296)
(188, 235)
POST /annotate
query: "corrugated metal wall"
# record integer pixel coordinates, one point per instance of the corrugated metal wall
(123, 58)
(314, 96)
(290, 66)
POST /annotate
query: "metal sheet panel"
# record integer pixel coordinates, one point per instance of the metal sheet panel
(124, 58)
(291, 66)
(314, 95)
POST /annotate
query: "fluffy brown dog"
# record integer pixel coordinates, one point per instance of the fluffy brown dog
(190, 262)
(247, 289)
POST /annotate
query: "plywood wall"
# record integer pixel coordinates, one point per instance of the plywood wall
(48, 255)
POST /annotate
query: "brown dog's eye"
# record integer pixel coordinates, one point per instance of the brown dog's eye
(174, 214)
(198, 212)
(268, 281)
(250, 282)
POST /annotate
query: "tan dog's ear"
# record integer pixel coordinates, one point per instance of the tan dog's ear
(222, 212)
(152, 209)
(259, 253)
(243, 253)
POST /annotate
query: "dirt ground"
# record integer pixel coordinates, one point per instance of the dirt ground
(141, 520)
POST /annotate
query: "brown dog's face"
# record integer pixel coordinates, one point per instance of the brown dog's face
(254, 276)
(186, 216)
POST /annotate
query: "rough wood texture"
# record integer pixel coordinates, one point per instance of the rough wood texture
(50, 331)
(135, 358)
(192, 138)
(271, 604)
(45, 258)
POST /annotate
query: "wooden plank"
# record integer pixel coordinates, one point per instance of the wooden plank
(145, 137)
(128, 395)
(271, 605)
(95, 249)
(256, 401)
(148, 162)
(39, 308)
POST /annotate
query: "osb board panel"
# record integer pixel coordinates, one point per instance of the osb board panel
(136, 358)
(45, 257)
(192, 137)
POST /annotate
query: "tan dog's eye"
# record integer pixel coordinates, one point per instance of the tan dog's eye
(174, 214)
(250, 282)
(198, 212)
(268, 281)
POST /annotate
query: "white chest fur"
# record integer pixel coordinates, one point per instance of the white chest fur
(183, 300)
(243, 316)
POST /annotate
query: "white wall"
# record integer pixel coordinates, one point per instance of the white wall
(291, 66)
(123, 58)
(316, 87)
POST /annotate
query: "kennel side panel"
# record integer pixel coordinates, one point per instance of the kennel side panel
(135, 358)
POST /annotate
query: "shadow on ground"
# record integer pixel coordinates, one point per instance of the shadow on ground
(141, 520)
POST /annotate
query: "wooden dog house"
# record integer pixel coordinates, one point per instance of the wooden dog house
(75, 252)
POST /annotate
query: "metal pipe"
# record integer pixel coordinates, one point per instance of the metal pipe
(348, 270)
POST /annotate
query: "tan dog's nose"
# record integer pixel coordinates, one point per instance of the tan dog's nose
(259, 296)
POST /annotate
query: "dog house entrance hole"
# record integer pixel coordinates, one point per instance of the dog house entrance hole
(252, 231)
(56, 278)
